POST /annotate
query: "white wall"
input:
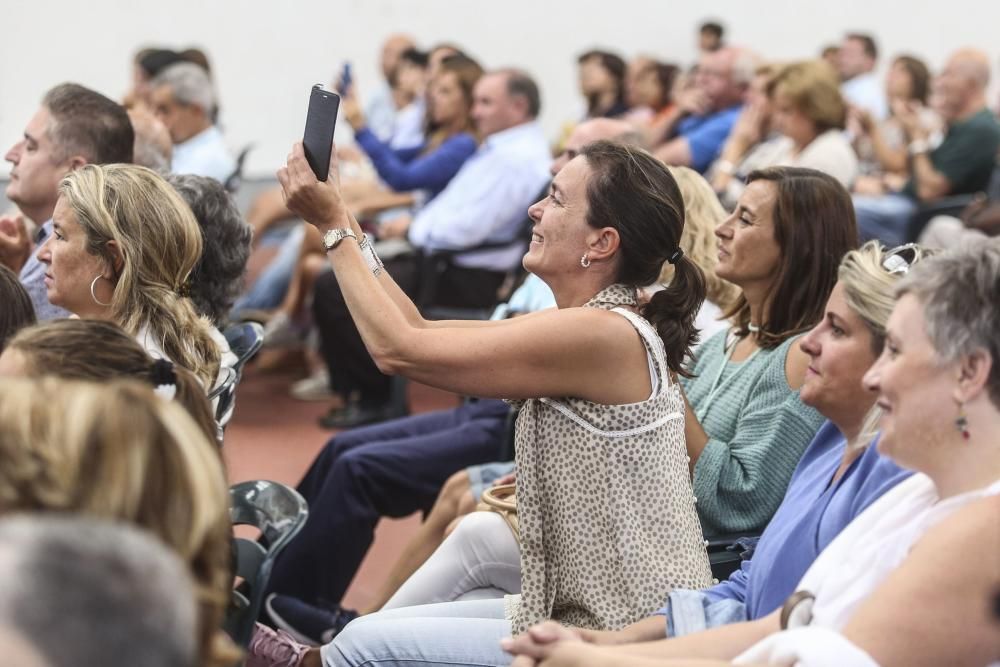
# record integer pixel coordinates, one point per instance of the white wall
(266, 55)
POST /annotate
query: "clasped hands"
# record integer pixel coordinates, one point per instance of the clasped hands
(551, 644)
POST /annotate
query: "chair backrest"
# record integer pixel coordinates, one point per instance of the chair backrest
(244, 340)
(279, 513)
(235, 179)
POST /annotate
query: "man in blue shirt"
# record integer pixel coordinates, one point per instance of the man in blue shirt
(706, 112)
(74, 126)
(484, 203)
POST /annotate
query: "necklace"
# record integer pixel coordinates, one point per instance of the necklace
(717, 384)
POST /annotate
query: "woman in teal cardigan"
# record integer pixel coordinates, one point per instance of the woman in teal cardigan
(745, 425)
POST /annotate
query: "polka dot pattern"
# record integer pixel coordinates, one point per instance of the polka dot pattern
(606, 509)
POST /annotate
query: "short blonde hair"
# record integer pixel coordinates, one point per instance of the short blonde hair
(117, 451)
(160, 243)
(813, 88)
(870, 292)
(702, 212)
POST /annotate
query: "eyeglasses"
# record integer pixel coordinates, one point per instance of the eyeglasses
(901, 258)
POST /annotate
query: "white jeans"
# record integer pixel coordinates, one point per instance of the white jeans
(479, 560)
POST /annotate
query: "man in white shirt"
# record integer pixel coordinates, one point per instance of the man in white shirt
(856, 61)
(184, 100)
(484, 203)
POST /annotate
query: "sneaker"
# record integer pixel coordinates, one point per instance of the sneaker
(306, 623)
(355, 413)
(280, 331)
(316, 387)
(274, 648)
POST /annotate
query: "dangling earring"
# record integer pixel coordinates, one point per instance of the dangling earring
(585, 261)
(93, 295)
(962, 422)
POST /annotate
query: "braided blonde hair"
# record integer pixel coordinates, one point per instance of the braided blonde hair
(117, 451)
(159, 243)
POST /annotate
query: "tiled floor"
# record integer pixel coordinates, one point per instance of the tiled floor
(275, 437)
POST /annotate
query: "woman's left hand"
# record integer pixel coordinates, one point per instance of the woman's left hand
(317, 202)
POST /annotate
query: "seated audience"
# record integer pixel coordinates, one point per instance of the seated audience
(472, 626)
(624, 208)
(118, 451)
(477, 559)
(907, 562)
(807, 114)
(118, 597)
(410, 85)
(840, 474)
(146, 64)
(652, 98)
(184, 100)
(74, 126)
(382, 107)
(732, 486)
(395, 469)
(449, 142)
(602, 84)
(705, 113)
(123, 247)
(857, 58)
(17, 311)
(483, 203)
(962, 163)
(749, 140)
(881, 145)
(51, 349)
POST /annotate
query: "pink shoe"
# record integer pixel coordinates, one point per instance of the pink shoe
(274, 648)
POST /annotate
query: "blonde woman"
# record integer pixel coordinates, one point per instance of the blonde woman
(123, 246)
(702, 213)
(118, 451)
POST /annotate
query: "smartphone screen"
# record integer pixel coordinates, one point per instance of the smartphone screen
(321, 120)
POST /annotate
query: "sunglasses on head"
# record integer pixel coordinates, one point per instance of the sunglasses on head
(901, 258)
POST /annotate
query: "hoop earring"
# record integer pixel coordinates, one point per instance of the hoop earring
(962, 422)
(93, 295)
(585, 261)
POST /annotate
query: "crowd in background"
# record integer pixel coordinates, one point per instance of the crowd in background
(736, 303)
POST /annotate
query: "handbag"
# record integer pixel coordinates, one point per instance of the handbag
(502, 499)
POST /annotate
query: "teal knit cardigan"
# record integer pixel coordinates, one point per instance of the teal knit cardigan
(758, 429)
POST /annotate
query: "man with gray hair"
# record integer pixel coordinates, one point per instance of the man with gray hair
(184, 100)
(961, 163)
(705, 113)
(79, 592)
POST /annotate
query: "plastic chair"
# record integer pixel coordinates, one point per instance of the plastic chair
(223, 395)
(278, 512)
(235, 179)
(244, 340)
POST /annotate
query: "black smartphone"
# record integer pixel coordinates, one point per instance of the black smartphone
(320, 124)
(346, 79)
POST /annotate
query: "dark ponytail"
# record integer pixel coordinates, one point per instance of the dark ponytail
(673, 310)
(634, 193)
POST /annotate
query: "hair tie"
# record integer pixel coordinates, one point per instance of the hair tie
(184, 289)
(164, 379)
(676, 257)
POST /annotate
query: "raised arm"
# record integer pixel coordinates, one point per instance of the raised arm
(526, 357)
